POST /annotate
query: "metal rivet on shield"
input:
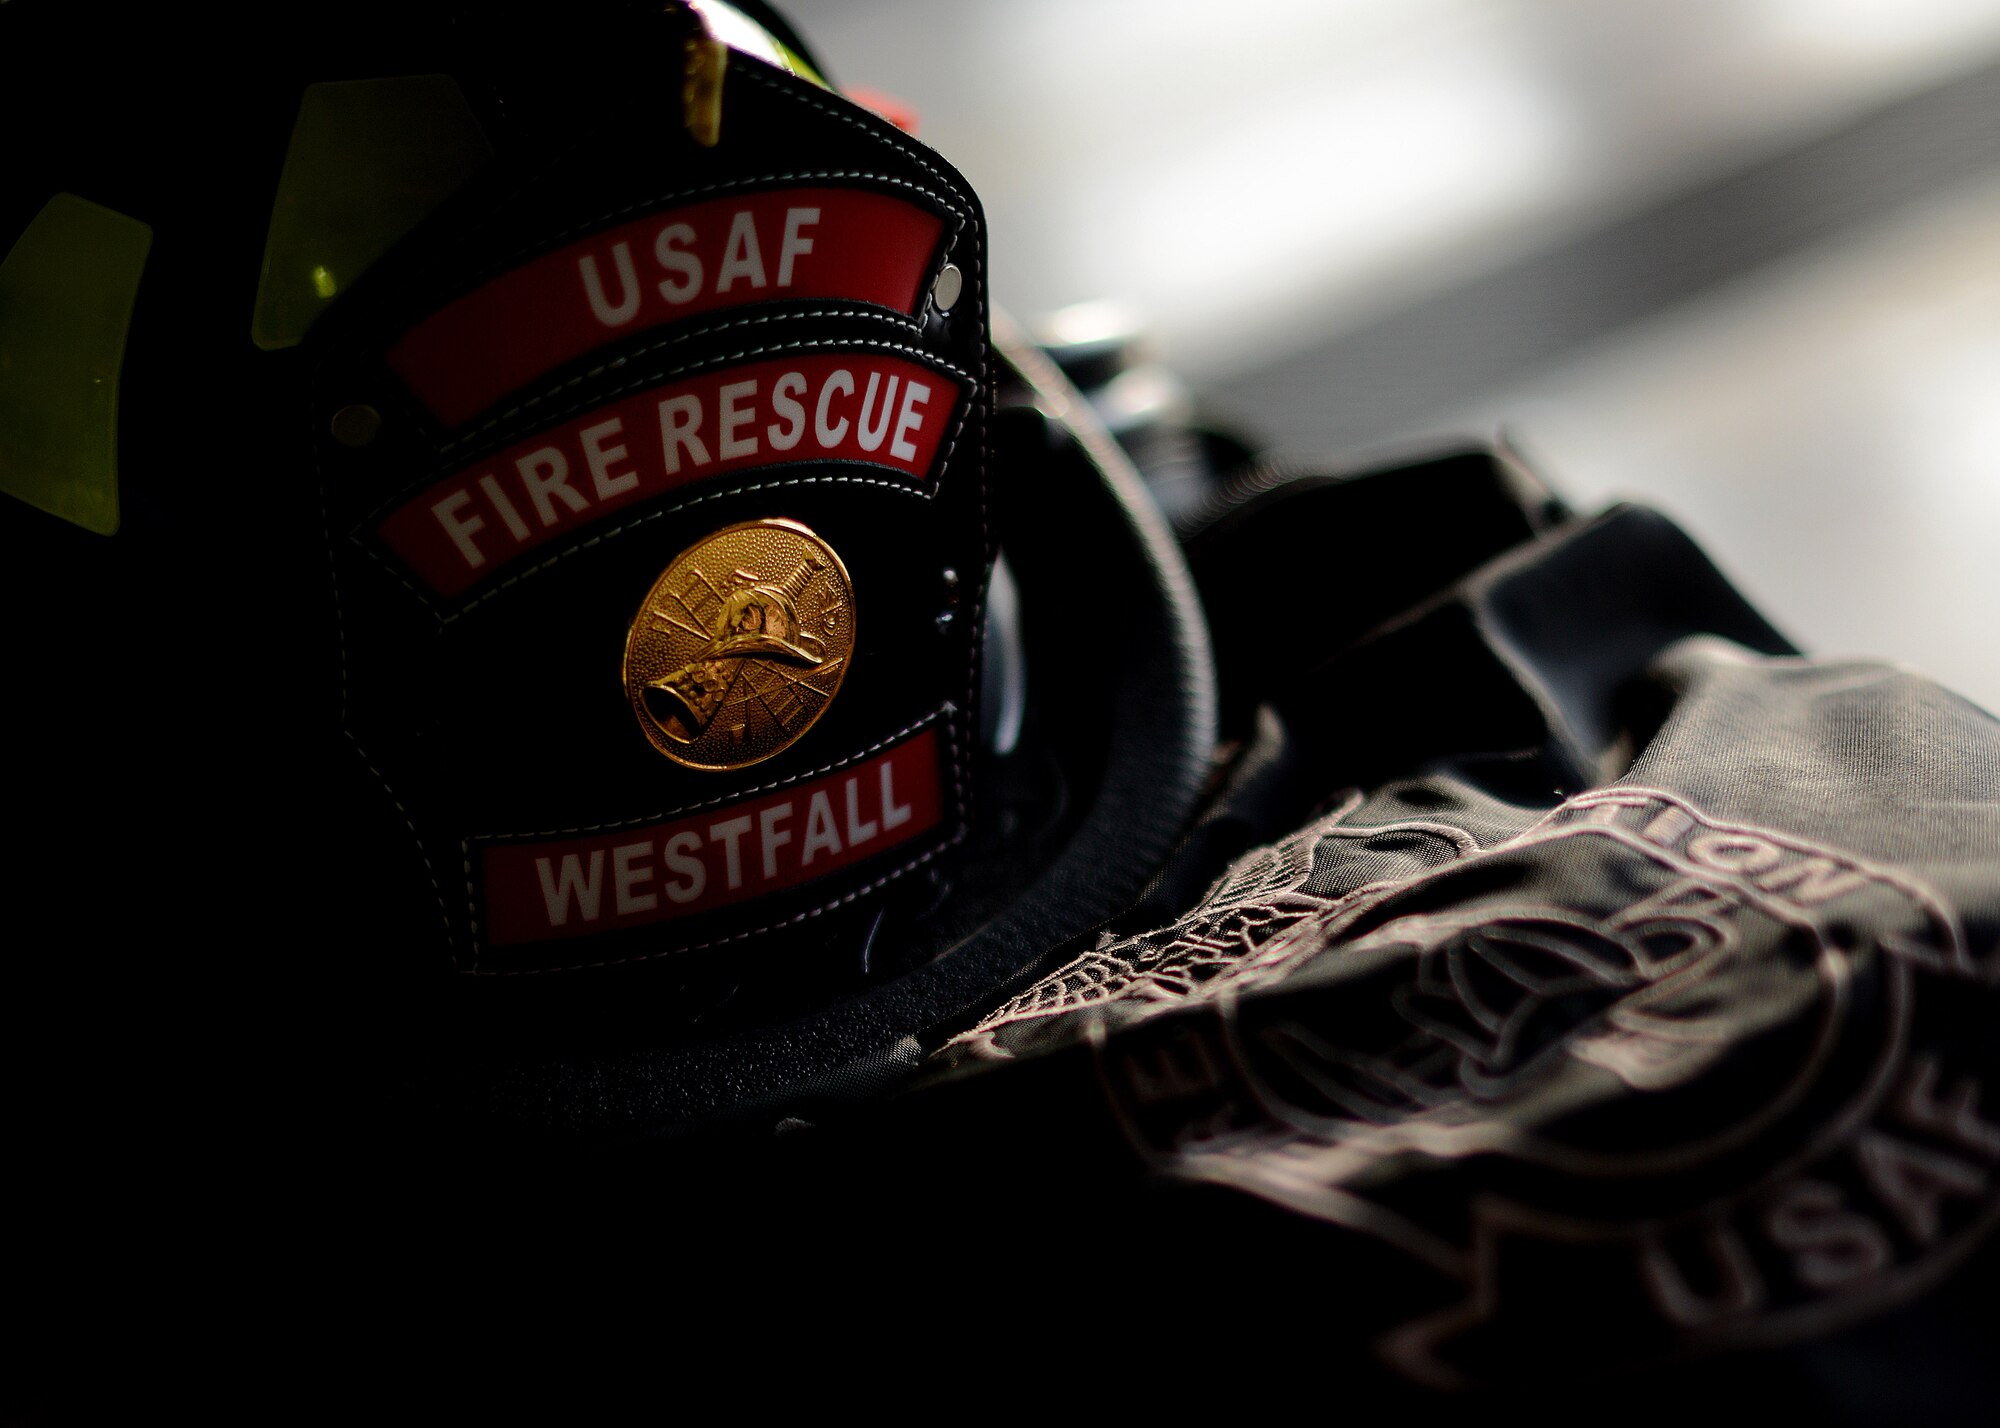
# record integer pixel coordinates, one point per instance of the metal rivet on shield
(356, 426)
(944, 292)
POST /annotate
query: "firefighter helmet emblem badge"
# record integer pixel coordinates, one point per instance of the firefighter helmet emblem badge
(740, 645)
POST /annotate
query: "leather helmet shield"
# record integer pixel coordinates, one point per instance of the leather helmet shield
(535, 418)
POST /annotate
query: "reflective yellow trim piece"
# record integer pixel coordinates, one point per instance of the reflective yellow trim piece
(67, 288)
(740, 32)
(796, 63)
(369, 160)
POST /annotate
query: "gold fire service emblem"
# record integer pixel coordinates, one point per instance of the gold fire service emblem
(741, 645)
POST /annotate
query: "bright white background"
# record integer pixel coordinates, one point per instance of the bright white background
(1320, 206)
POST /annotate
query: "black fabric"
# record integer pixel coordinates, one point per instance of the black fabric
(1634, 1034)
(1630, 1049)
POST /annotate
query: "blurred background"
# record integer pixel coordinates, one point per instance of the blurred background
(1738, 259)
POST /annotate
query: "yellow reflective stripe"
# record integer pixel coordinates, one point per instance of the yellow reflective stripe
(66, 293)
(797, 64)
(368, 161)
(737, 30)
